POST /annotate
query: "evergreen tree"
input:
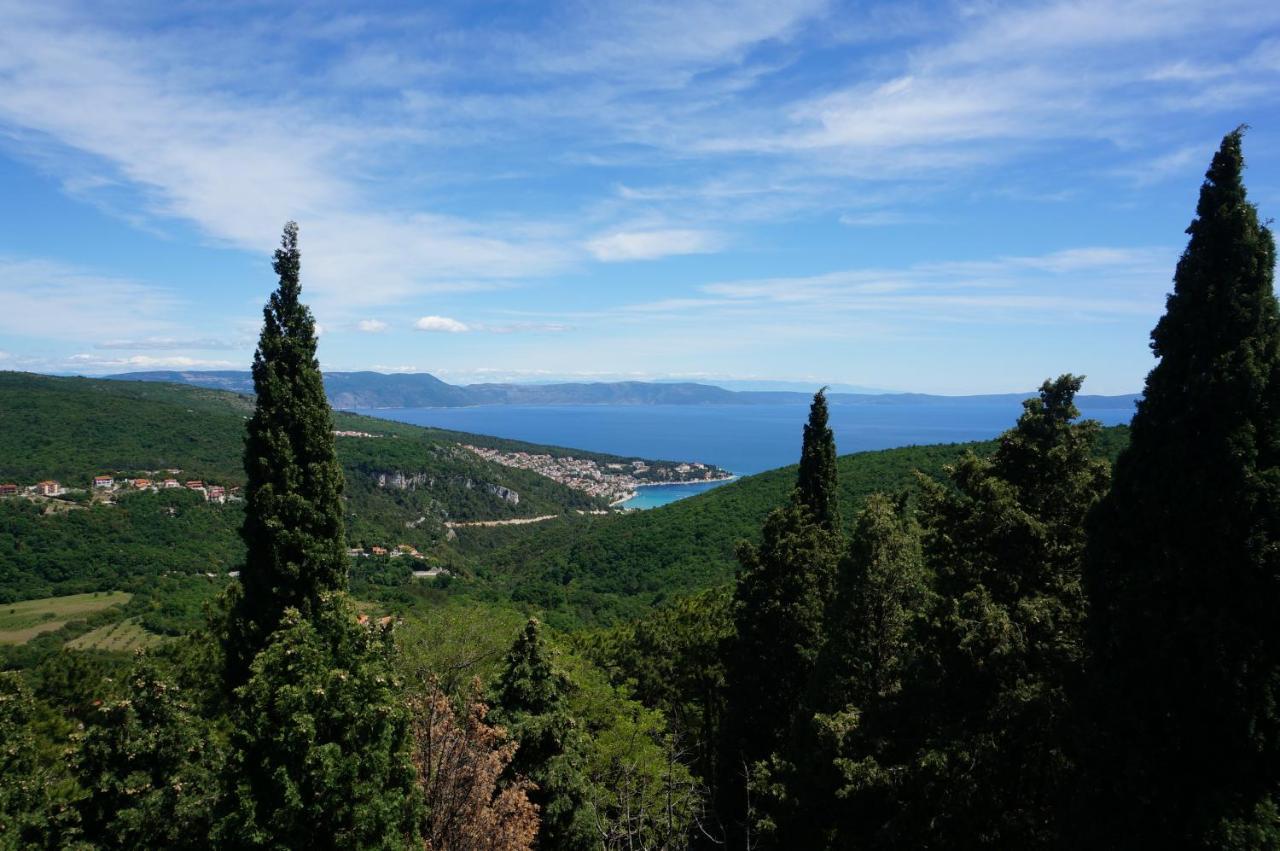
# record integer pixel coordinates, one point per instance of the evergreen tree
(530, 698)
(321, 753)
(320, 750)
(24, 798)
(1184, 567)
(293, 515)
(149, 769)
(837, 792)
(817, 488)
(783, 587)
(1005, 540)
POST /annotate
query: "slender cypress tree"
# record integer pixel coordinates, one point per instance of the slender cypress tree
(817, 487)
(320, 753)
(1183, 575)
(783, 588)
(292, 529)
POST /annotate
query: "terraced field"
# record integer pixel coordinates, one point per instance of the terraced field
(21, 622)
(123, 636)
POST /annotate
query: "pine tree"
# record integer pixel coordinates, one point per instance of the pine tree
(530, 698)
(1005, 541)
(817, 487)
(292, 529)
(1184, 567)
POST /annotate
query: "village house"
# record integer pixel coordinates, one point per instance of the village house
(379, 551)
(217, 493)
(104, 482)
(8, 489)
(142, 484)
(171, 483)
(49, 488)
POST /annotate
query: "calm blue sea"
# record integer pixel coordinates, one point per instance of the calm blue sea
(742, 438)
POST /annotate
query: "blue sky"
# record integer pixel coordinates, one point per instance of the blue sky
(943, 197)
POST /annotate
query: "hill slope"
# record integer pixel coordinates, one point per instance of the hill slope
(600, 569)
(402, 484)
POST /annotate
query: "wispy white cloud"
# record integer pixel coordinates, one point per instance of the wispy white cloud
(239, 168)
(166, 343)
(58, 301)
(371, 326)
(652, 244)
(98, 363)
(1093, 283)
(441, 323)
(453, 326)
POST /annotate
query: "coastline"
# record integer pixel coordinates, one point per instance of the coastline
(622, 503)
(727, 478)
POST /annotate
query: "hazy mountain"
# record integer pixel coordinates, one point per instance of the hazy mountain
(423, 390)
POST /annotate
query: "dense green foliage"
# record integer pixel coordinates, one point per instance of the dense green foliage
(70, 429)
(97, 547)
(147, 767)
(24, 790)
(1005, 639)
(852, 704)
(319, 751)
(530, 697)
(1184, 576)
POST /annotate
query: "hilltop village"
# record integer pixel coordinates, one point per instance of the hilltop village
(104, 486)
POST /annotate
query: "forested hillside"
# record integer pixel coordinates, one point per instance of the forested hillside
(71, 429)
(594, 570)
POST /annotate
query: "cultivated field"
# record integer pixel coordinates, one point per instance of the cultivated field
(21, 622)
(121, 636)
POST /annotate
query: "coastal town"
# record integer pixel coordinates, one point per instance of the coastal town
(616, 482)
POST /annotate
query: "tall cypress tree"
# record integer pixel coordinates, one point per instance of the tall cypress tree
(817, 487)
(292, 529)
(1184, 569)
(320, 750)
(783, 588)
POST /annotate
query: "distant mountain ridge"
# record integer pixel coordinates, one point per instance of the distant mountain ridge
(422, 390)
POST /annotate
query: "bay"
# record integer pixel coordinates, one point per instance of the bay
(743, 439)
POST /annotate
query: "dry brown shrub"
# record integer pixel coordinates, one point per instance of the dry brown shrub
(460, 763)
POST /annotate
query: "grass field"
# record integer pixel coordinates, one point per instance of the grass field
(122, 636)
(21, 622)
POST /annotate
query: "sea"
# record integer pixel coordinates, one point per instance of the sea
(743, 439)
